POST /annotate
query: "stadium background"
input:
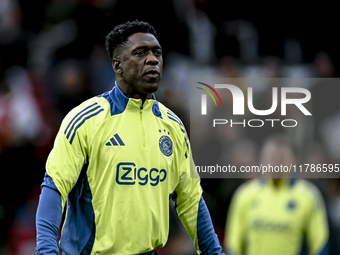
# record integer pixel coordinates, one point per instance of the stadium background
(52, 57)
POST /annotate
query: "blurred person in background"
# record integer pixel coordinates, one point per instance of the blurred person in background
(277, 215)
(112, 206)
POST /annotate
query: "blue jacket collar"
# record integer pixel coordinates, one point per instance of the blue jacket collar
(118, 101)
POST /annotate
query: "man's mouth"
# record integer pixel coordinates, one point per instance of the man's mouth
(154, 73)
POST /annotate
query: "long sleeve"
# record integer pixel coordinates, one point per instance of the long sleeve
(69, 153)
(193, 212)
(234, 238)
(48, 219)
(317, 227)
(63, 167)
(207, 239)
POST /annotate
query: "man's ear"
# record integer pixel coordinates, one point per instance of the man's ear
(116, 64)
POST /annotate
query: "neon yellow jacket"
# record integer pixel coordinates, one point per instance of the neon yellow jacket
(116, 163)
(285, 220)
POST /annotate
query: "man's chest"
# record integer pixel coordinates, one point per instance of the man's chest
(276, 213)
(133, 151)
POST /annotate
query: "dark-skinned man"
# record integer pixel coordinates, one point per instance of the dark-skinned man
(117, 160)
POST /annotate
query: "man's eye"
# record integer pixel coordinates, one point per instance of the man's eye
(140, 52)
(158, 52)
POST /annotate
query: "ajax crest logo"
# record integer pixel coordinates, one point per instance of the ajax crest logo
(165, 144)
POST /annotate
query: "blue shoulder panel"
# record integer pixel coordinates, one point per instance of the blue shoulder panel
(116, 99)
(155, 109)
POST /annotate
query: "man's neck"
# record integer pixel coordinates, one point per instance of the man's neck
(133, 93)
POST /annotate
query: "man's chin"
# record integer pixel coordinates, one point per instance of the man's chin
(151, 87)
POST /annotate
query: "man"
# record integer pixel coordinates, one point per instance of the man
(117, 160)
(277, 215)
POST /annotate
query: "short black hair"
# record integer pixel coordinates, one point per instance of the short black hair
(121, 33)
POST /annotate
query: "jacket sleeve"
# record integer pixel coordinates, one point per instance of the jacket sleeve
(235, 231)
(191, 207)
(69, 153)
(48, 218)
(317, 232)
(63, 167)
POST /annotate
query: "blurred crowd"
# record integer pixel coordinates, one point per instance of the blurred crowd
(52, 57)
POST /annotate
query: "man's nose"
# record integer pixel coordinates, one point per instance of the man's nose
(151, 59)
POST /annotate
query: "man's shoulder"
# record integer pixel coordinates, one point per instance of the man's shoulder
(253, 184)
(308, 190)
(249, 189)
(170, 116)
(89, 106)
(85, 112)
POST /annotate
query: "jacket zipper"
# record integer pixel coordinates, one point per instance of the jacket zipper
(142, 126)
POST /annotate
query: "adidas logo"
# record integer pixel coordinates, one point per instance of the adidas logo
(115, 141)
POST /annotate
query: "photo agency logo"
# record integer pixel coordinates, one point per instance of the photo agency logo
(301, 97)
(204, 97)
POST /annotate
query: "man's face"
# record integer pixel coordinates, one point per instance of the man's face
(141, 63)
